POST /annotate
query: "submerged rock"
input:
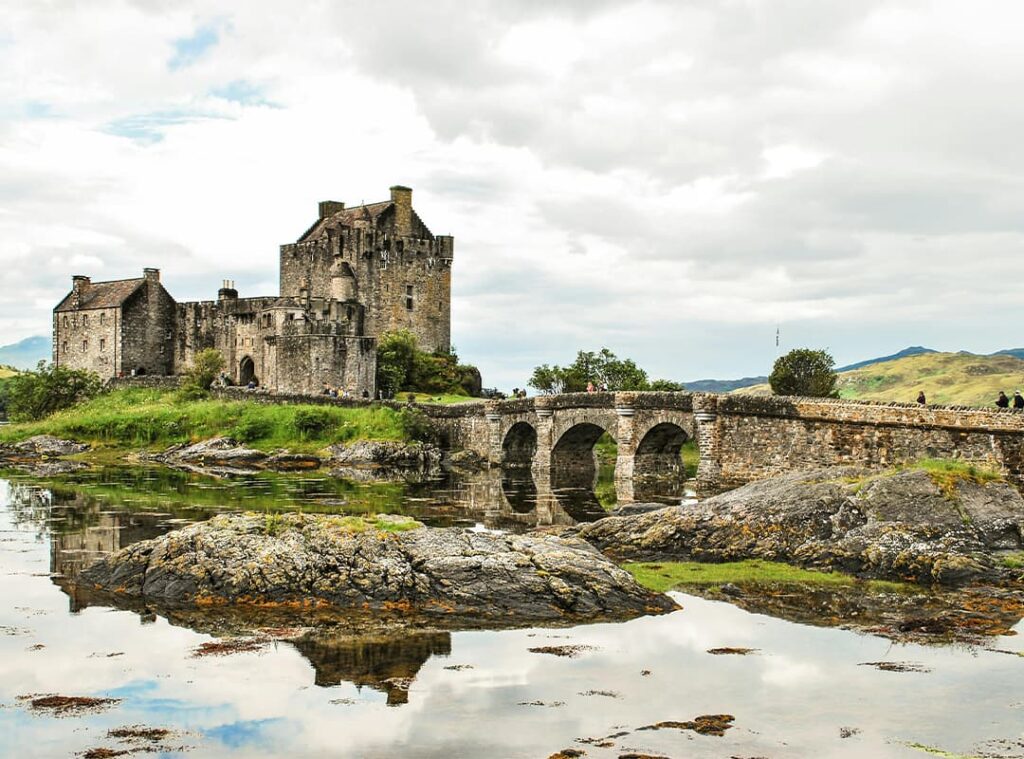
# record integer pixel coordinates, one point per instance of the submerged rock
(389, 564)
(385, 453)
(226, 456)
(900, 525)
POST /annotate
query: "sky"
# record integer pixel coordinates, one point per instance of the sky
(672, 180)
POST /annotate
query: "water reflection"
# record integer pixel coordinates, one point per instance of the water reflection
(470, 693)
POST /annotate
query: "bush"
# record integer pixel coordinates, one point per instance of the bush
(402, 366)
(313, 422)
(33, 395)
(416, 425)
(804, 372)
(252, 428)
(208, 365)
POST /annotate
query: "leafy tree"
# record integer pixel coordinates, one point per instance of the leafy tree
(34, 395)
(199, 378)
(600, 368)
(805, 372)
(402, 366)
(666, 386)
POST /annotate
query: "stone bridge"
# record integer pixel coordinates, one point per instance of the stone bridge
(740, 438)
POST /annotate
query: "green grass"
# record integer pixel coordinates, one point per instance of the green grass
(138, 417)
(1013, 561)
(947, 473)
(6, 372)
(444, 399)
(946, 378)
(662, 576)
(275, 524)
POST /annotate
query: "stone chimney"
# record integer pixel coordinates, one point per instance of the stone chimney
(227, 290)
(151, 275)
(402, 199)
(79, 285)
(330, 207)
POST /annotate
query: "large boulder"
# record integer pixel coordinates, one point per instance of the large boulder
(387, 564)
(41, 455)
(902, 525)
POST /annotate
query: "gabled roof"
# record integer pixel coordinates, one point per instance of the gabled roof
(103, 294)
(348, 217)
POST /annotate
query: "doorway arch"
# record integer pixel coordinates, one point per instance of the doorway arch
(246, 371)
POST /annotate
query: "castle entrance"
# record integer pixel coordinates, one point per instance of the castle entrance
(246, 371)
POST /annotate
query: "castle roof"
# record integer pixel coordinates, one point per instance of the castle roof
(102, 294)
(347, 217)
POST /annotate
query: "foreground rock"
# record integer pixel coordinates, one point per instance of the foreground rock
(42, 455)
(892, 525)
(387, 454)
(347, 562)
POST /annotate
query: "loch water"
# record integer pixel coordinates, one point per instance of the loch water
(803, 692)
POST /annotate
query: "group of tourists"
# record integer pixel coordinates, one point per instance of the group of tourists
(518, 392)
(333, 392)
(602, 387)
(1002, 401)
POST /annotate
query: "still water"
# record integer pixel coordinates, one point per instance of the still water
(433, 693)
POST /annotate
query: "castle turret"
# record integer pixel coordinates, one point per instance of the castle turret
(401, 197)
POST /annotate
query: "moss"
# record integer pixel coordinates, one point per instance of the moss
(948, 473)
(1013, 560)
(662, 576)
(934, 751)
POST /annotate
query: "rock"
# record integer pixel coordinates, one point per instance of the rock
(48, 445)
(636, 508)
(350, 563)
(283, 461)
(39, 456)
(465, 460)
(385, 453)
(886, 525)
(216, 456)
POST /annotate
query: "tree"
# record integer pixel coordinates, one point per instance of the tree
(600, 368)
(402, 366)
(805, 372)
(206, 367)
(34, 395)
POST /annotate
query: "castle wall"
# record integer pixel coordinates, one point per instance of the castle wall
(304, 363)
(87, 340)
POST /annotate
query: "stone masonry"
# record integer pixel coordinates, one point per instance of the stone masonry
(353, 275)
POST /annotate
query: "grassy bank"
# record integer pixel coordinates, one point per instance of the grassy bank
(665, 575)
(155, 418)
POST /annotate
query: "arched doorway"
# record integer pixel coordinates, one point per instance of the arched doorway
(246, 371)
(519, 446)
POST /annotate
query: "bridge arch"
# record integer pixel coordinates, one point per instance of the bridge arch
(519, 446)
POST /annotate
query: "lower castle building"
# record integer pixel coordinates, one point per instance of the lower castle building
(355, 274)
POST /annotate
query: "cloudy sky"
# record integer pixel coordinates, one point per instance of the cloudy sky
(668, 179)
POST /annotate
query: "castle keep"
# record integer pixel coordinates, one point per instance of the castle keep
(353, 275)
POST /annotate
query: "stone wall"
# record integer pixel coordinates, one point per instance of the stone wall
(147, 330)
(87, 340)
(148, 381)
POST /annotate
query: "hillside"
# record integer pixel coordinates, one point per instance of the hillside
(26, 353)
(6, 372)
(961, 379)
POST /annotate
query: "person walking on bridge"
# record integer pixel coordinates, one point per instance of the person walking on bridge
(1018, 401)
(921, 399)
(1002, 401)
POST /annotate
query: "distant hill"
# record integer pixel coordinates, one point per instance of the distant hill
(963, 379)
(914, 350)
(26, 353)
(722, 386)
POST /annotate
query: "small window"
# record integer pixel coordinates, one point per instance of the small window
(85, 345)
(64, 347)
(85, 320)
(103, 318)
(65, 322)
(408, 297)
(103, 344)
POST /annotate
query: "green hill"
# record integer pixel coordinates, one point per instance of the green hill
(961, 379)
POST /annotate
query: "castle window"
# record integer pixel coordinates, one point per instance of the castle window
(65, 322)
(103, 318)
(408, 297)
(103, 344)
(85, 345)
(64, 347)
(85, 320)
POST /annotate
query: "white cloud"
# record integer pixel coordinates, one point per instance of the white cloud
(669, 179)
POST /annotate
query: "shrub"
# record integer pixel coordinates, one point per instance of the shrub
(416, 425)
(205, 369)
(313, 422)
(34, 395)
(252, 428)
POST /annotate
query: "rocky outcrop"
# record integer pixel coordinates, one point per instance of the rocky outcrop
(383, 459)
(346, 562)
(902, 525)
(226, 456)
(42, 456)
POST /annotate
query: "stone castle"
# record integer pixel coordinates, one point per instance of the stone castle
(355, 274)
